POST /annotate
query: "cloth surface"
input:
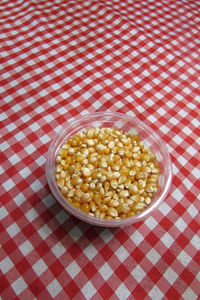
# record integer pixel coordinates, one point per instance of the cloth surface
(60, 59)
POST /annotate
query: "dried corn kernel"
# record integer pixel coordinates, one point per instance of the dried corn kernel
(107, 173)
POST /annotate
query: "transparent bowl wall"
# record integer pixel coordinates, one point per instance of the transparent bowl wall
(127, 124)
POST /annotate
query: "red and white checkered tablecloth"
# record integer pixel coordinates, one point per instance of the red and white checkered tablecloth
(60, 59)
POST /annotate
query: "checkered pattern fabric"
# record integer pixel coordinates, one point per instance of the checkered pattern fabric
(60, 59)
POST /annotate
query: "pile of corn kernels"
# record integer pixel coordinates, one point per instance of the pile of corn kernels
(107, 173)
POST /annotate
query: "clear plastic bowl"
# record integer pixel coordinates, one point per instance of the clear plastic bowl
(127, 124)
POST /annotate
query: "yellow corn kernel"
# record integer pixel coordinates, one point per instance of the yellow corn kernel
(106, 186)
(102, 215)
(71, 151)
(103, 207)
(71, 170)
(92, 159)
(132, 173)
(111, 162)
(133, 189)
(85, 198)
(60, 182)
(70, 193)
(122, 208)
(139, 206)
(90, 133)
(78, 193)
(128, 154)
(113, 203)
(85, 208)
(58, 168)
(80, 158)
(107, 150)
(121, 152)
(97, 213)
(112, 212)
(156, 171)
(64, 190)
(92, 206)
(97, 199)
(84, 187)
(108, 217)
(135, 198)
(76, 180)
(63, 153)
(147, 200)
(76, 205)
(124, 172)
(111, 144)
(123, 194)
(66, 146)
(115, 167)
(86, 172)
(110, 194)
(141, 175)
(152, 157)
(102, 192)
(122, 179)
(141, 184)
(114, 183)
(126, 162)
(130, 214)
(62, 162)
